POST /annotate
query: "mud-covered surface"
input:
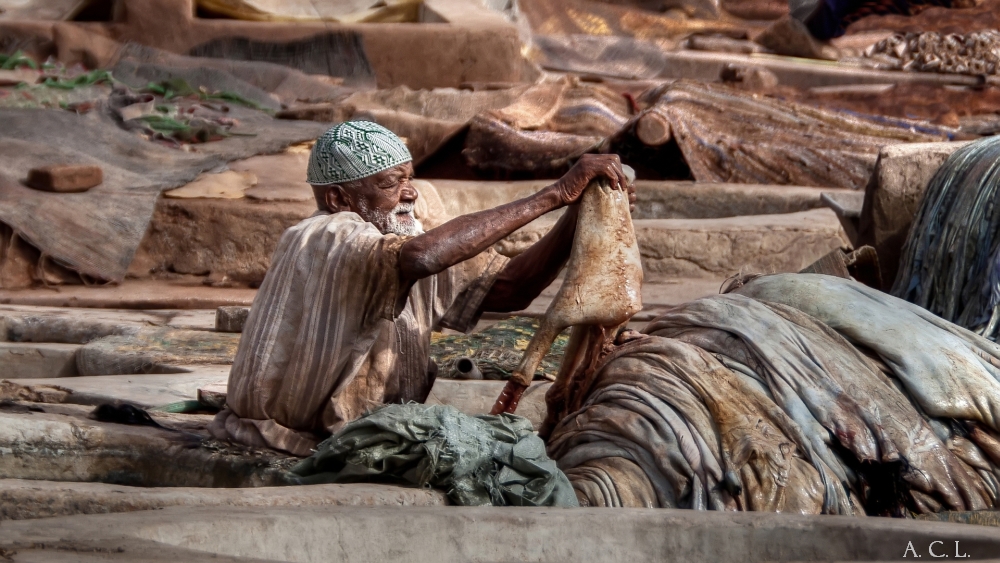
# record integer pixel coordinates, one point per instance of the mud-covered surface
(156, 350)
(60, 442)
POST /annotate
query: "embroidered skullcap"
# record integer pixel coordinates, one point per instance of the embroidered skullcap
(353, 150)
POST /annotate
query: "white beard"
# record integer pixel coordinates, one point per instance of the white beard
(400, 221)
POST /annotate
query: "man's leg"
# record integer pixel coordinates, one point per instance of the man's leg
(827, 19)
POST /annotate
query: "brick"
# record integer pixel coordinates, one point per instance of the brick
(65, 178)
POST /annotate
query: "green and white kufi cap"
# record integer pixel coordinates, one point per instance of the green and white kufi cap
(353, 150)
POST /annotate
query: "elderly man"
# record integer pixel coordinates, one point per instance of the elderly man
(343, 319)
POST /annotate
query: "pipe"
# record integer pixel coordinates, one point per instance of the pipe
(466, 368)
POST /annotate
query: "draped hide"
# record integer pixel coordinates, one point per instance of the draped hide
(554, 123)
(794, 393)
(951, 260)
(794, 144)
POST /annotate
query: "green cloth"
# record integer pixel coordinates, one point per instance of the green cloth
(477, 460)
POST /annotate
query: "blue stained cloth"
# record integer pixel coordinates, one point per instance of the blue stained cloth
(952, 246)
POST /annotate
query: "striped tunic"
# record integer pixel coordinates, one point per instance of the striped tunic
(333, 331)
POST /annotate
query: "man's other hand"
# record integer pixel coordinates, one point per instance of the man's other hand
(631, 197)
(589, 167)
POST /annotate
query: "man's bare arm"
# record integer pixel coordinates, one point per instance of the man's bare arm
(465, 237)
(529, 273)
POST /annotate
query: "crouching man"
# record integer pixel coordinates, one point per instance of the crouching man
(343, 319)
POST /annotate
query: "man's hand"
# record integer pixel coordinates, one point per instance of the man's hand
(591, 166)
(631, 198)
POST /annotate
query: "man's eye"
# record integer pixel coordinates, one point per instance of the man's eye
(394, 183)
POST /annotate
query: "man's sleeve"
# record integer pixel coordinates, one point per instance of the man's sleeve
(384, 258)
(462, 288)
(356, 266)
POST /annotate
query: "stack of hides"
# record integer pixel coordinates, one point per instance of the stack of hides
(794, 393)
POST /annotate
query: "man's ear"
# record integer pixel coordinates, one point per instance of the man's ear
(337, 200)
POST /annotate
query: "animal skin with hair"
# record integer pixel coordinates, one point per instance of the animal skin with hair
(601, 289)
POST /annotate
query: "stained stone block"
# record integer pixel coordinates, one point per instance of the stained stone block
(231, 319)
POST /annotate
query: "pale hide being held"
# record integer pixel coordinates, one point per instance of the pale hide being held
(601, 291)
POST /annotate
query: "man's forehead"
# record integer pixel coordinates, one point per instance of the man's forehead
(395, 172)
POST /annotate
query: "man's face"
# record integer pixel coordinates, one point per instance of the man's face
(386, 200)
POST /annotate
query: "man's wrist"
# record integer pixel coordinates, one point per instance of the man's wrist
(552, 196)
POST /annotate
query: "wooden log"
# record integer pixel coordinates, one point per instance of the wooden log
(653, 129)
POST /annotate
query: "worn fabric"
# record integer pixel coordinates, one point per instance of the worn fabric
(795, 393)
(338, 52)
(353, 150)
(334, 332)
(478, 460)
(100, 229)
(341, 11)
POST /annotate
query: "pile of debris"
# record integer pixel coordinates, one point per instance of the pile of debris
(791, 393)
(974, 53)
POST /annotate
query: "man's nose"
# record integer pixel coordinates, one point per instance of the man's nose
(408, 192)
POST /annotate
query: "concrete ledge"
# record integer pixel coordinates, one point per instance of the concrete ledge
(234, 239)
(22, 360)
(28, 323)
(714, 248)
(23, 499)
(893, 197)
(478, 397)
(143, 390)
(654, 200)
(132, 294)
(462, 534)
(761, 243)
(59, 442)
